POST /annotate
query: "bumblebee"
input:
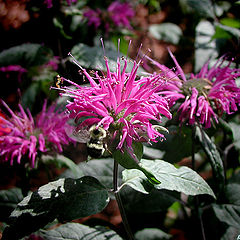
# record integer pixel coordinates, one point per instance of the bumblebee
(95, 145)
(94, 138)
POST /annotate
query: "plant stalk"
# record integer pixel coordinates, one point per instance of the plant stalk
(119, 202)
(194, 167)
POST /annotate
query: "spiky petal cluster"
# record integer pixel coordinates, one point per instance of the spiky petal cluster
(120, 104)
(206, 95)
(27, 137)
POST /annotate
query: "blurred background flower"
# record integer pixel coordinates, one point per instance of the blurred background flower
(117, 15)
(205, 96)
(23, 139)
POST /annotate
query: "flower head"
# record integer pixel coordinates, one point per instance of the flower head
(117, 15)
(52, 63)
(121, 13)
(119, 103)
(94, 17)
(28, 137)
(50, 4)
(206, 95)
(13, 68)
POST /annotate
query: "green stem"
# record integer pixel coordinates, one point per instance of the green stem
(23, 183)
(193, 148)
(119, 202)
(193, 167)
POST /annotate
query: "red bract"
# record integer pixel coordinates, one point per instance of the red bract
(28, 137)
(207, 95)
(3, 130)
(121, 104)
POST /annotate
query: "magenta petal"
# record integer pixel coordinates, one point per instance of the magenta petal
(41, 142)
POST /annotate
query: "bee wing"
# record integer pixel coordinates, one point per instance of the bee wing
(79, 135)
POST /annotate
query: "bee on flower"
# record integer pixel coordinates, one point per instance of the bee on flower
(119, 103)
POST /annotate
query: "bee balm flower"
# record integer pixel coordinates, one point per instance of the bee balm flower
(206, 95)
(27, 137)
(94, 17)
(119, 103)
(117, 15)
(121, 13)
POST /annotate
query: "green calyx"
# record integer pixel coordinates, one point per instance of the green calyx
(201, 84)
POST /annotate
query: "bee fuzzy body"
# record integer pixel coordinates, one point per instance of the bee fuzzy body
(94, 137)
(95, 149)
(95, 145)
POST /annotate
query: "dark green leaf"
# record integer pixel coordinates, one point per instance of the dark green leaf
(130, 159)
(181, 179)
(65, 200)
(29, 96)
(77, 23)
(156, 201)
(76, 231)
(168, 32)
(232, 193)
(231, 22)
(152, 234)
(102, 169)
(236, 134)
(26, 55)
(205, 46)
(203, 8)
(93, 57)
(177, 145)
(231, 233)
(62, 161)
(59, 25)
(124, 45)
(221, 7)
(221, 34)
(214, 157)
(228, 213)
(127, 158)
(152, 153)
(8, 201)
(231, 30)
(154, 5)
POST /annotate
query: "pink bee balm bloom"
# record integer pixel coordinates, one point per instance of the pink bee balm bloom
(50, 4)
(121, 13)
(27, 137)
(211, 92)
(94, 17)
(119, 103)
(52, 63)
(14, 68)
